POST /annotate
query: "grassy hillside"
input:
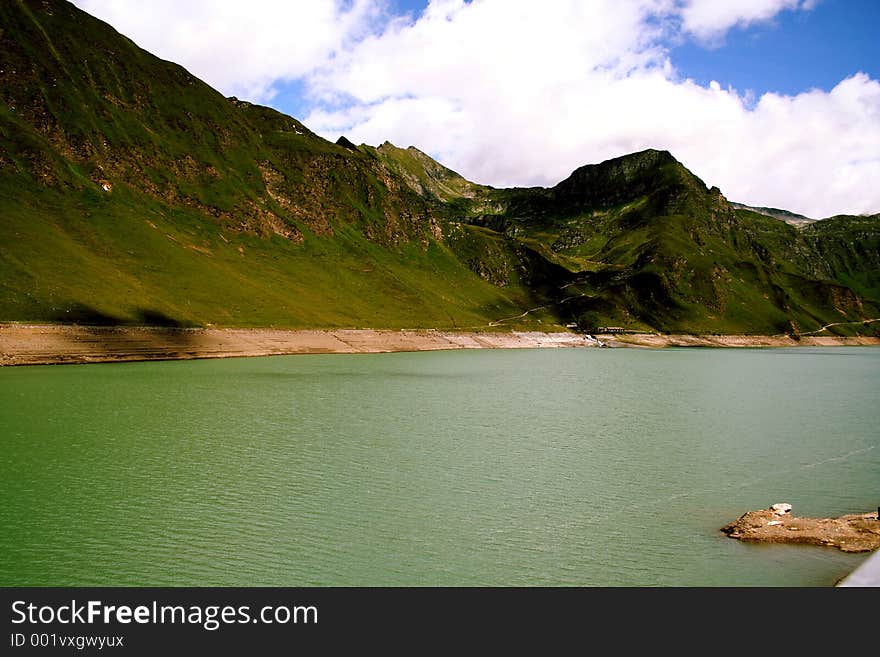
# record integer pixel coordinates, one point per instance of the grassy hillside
(849, 246)
(124, 261)
(133, 193)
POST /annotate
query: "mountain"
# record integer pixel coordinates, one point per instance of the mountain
(655, 249)
(133, 193)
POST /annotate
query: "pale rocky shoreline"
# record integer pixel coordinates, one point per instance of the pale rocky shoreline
(657, 340)
(28, 344)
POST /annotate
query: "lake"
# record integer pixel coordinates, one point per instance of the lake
(565, 467)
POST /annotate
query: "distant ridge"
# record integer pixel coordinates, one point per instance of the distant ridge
(788, 217)
(345, 143)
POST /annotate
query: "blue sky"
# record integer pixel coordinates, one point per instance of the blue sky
(777, 102)
(797, 51)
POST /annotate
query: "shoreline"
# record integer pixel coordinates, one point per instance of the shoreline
(35, 344)
(657, 341)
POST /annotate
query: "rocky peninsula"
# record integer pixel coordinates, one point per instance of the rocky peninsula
(859, 532)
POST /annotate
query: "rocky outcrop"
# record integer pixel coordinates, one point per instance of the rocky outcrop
(858, 532)
(346, 143)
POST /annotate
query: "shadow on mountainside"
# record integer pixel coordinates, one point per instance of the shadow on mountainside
(84, 315)
(146, 331)
(81, 314)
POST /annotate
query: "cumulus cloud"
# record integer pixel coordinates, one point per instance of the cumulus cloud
(710, 19)
(241, 48)
(521, 93)
(516, 92)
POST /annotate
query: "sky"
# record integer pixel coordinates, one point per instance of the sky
(777, 102)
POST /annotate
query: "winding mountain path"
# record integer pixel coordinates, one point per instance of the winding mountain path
(861, 321)
(497, 322)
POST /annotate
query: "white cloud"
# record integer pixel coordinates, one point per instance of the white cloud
(516, 92)
(710, 19)
(508, 83)
(521, 93)
(240, 48)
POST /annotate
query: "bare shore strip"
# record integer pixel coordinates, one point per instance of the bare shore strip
(47, 345)
(25, 344)
(655, 340)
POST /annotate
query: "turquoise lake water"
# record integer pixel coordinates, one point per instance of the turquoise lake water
(489, 467)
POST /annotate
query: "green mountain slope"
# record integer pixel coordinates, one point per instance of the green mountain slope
(133, 193)
(655, 249)
(848, 247)
(130, 190)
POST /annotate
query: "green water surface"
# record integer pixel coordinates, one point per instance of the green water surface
(489, 467)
